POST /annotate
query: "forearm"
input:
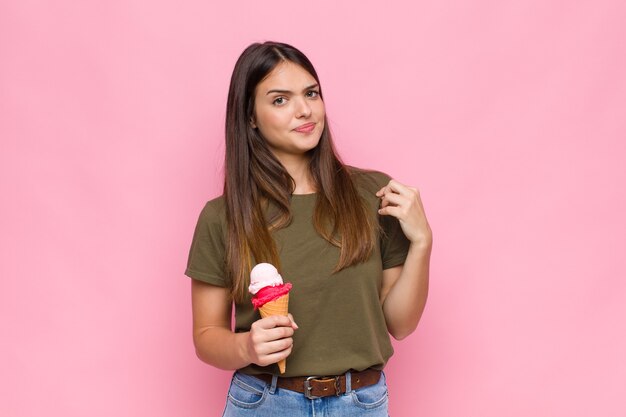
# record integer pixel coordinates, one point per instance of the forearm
(222, 348)
(405, 302)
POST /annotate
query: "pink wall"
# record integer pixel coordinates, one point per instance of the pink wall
(509, 116)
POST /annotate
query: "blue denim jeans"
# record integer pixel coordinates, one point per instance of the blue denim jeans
(249, 396)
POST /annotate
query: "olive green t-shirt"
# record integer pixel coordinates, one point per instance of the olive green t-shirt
(340, 318)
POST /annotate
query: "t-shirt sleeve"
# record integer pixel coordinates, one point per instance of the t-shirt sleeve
(207, 259)
(394, 245)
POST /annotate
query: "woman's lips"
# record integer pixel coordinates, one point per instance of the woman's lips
(305, 128)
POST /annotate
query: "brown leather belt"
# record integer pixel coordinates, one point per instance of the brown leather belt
(323, 386)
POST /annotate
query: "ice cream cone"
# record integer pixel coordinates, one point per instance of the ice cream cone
(277, 307)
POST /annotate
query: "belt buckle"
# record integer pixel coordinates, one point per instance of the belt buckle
(308, 388)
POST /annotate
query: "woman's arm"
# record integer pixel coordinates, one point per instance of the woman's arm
(268, 341)
(405, 288)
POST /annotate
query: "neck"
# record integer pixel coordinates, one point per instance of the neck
(298, 168)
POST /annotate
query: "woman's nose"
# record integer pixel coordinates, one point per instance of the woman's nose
(303, 109)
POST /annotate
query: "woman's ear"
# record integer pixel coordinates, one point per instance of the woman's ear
(252, 123)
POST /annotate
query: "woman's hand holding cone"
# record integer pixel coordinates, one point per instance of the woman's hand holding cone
(270, 340)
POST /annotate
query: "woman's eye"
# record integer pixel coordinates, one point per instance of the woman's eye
(279, 101)
(312, 94)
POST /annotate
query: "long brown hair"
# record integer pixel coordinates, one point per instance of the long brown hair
(257, 187)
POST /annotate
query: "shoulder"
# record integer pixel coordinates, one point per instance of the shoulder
(215, 206)
(368, 180)
(213, 214)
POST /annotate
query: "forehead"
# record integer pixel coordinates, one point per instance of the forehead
(286, 75)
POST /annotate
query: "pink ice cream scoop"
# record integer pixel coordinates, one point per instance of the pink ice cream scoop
(266, 285)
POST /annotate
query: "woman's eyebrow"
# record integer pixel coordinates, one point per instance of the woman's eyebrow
(290, 92)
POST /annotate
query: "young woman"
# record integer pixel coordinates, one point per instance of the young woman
(355, 245)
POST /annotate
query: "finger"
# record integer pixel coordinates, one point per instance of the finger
(278, 333)
(274, 321)
(381, 192)
(274, 346)
(293, 322)
(270, 341)
(275, 357)
(398, 188)
(393, 199)
(394, 211)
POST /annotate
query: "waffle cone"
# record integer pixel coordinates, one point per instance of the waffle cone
(277, 307)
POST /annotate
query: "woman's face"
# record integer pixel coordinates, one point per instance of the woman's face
(288, 111)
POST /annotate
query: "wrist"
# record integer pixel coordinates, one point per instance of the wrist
(242, 341)
(422, 246)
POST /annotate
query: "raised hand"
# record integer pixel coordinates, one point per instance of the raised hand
(405, 204)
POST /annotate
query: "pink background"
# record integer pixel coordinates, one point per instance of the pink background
(509, 116)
